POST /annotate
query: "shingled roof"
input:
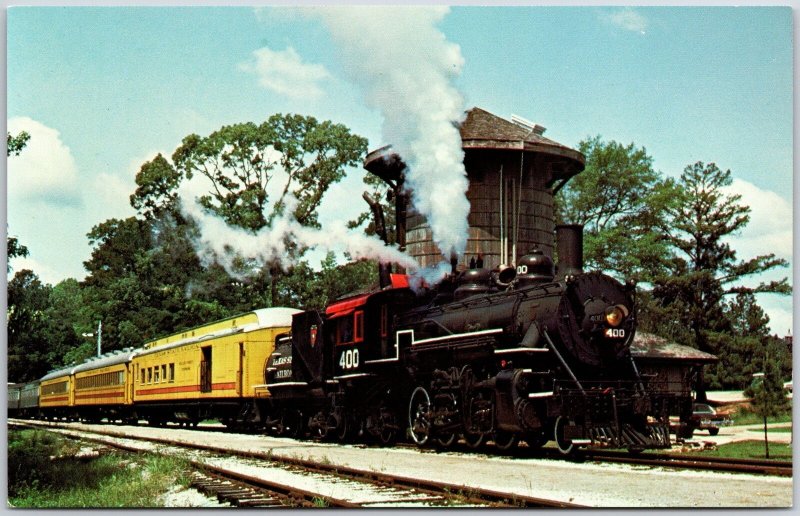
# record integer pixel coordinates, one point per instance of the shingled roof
(653, 347)
(484, 130)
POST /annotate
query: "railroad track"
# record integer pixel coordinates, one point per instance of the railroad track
(690, 461)
(279, 478)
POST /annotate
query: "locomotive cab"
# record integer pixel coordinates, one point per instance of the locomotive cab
(360, 329)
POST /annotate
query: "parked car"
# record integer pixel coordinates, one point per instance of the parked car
(705, 417)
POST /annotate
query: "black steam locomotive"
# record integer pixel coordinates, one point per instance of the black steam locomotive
(535, 353)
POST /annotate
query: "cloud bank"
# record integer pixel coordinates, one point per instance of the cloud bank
(770, 227)
(45, 171)
(285, 73)
(629, 19)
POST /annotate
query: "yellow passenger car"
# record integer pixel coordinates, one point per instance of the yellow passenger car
(209, 371)
(56, 395)
(103, 387)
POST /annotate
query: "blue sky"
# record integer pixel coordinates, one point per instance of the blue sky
(105, 89)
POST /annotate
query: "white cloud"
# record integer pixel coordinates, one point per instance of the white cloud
(45, 273)
(629, 19)
(779, 310)
(284, 72)
(45, 171)
(770, 226)
(769, 231)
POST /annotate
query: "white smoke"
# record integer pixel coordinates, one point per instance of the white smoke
(404, 64)
(421, 278)
(231, 246)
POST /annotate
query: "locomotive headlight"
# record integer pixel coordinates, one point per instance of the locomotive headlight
(615, 315)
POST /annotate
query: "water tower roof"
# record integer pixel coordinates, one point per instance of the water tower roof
(484, 130)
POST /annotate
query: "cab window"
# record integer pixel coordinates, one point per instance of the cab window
(358, 326)
(350, 328)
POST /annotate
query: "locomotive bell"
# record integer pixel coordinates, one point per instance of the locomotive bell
(535, 267)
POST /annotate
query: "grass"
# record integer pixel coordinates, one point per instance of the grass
(744, 416)
(750, 450)
(43, 472)
(780, 429)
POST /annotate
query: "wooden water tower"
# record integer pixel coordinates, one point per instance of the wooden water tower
(513, 173)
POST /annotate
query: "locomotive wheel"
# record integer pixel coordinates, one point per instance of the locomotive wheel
(419, 423)
(291, 423)
(564, 446)
(446, 440)
(535, 440)
(343, 430)
(505, 441)
(387, 435)
(346, 429)
(474, 441)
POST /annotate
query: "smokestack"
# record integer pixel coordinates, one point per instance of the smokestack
(569, 239)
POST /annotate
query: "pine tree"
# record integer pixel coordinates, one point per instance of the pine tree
(704, 268)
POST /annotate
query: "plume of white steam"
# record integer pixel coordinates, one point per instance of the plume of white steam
(404, 64)
(431, 275)
(228, 246)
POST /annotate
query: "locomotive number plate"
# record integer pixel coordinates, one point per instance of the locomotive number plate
(615, 333)
(349, 359)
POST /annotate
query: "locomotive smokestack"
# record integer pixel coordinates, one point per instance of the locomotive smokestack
(569, 239)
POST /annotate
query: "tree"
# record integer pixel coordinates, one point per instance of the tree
(241, 160)
(740, 348)
(156, 193)
(15, 146)
(619, 199)
(703, 268)
(28, 300)
(17, 143)
(15, 249)
(766, 392)
(315, 289)
(382, 194)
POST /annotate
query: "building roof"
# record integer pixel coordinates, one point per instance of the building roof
(652, 347)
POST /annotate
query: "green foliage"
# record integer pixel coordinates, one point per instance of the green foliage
(383, 194)
(747, 416)
(619, 199)
(15, 146)
(156, 188)
(241, 160)
(703, 268)
(15, 249)
(750, 450)
(17, 143)
(315, 289)
(766, 391)
(144, 278)
(28, 299)
(44, 473)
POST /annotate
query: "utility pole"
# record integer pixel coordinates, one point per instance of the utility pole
(99, 337)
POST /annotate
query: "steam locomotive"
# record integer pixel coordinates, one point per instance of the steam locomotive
(535, 353)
